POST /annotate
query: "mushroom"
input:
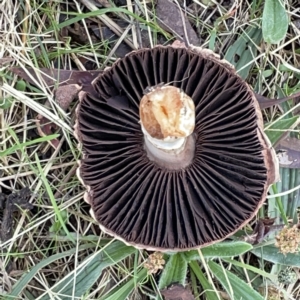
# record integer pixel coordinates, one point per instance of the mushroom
(174, 153)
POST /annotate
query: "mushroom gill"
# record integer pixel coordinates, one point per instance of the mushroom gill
(180, 202)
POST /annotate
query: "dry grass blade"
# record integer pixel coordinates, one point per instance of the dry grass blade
(36, 107)
(109, 22)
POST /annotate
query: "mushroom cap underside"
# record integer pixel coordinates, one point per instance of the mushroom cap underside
(156, 208)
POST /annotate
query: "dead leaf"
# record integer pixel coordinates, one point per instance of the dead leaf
(78, 33)
(103, 3)
(68, 83)
(288, 153)
(263, 228)
(6, 60)
(56, 77)
(265, 102)
(177, 292)
(46, 127)
(105, 33)
(173, 20)
(64, 96)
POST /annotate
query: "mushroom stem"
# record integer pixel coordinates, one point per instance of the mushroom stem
(170, 145)
(167, 117)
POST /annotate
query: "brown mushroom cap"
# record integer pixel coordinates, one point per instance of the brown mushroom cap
(155, 207)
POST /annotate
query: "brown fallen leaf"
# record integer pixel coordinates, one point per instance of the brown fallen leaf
(77, 33)
(288, 153)
(56, 77)
(103, 3)
(177, 291)
(105, 33)
(68, 83)
(265, 102)
(64, 96)
(263, 228)
(45, 128)
(6, 60)
(173, 20)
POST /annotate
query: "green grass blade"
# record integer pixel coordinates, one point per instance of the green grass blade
(279, 128)
(27, 277)
(20, 146)
(233, 284)
(250, 268)
(208, 289)
(99, 12)
(278, 204)
(78, 283)
(124, 291)
(52, 198)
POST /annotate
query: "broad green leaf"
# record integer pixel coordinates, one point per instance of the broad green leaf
(6, 103)
(234, 286)
(272, 254)
(224, 249)
(207, 287)
(20, 85)
(27, 277)
(243, 51)
(267, 73)
(276, 130)
(123, 291)
(78, 282)
(275, 21)
(174, 271)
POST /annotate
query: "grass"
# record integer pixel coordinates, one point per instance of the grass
(58, 249)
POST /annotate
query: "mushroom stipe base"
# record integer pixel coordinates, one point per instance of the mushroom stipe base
(145, 202)
(172, 161)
